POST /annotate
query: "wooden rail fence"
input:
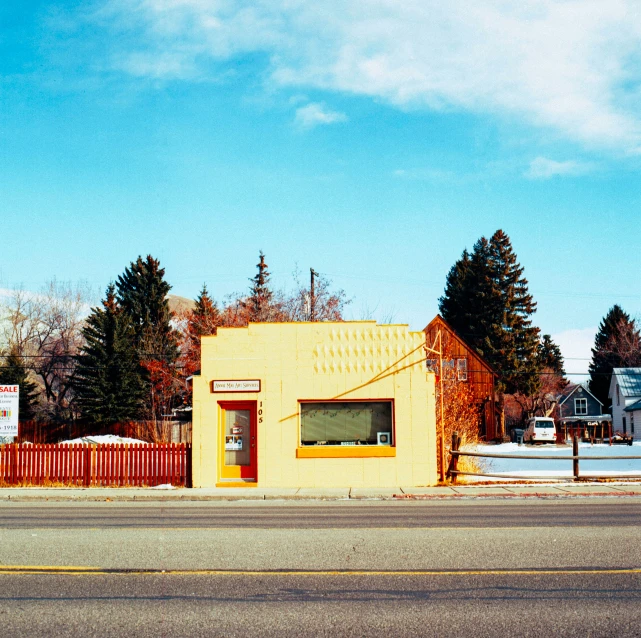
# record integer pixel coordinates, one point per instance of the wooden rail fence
(116, 465)
(456, 453)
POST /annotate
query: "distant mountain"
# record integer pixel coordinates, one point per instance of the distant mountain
(180, 304)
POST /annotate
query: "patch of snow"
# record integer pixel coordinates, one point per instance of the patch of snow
(615, 465)
(164, 486)
(104, 439)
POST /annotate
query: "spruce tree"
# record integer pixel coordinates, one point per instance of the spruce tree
(259, 304)
(141, 292)
(549, 357)
(487, 302)
(109, 380)
(616, 345)
(14, 372)
(202, 321)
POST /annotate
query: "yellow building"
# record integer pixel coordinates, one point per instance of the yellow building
(314, 405)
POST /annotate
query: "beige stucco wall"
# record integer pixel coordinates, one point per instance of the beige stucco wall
(319, 361)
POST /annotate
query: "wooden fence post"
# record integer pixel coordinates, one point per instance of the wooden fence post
(575, 453)
(187, 451)
(453, 466)
(87, 465)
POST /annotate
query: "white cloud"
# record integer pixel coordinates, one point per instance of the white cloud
(576, 346)
(572, 66)
(315, 114)
(544, 168)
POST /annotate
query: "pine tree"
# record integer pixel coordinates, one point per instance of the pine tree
(202, 321)
(617, 344)
(487, 302)
(141, 292)
(110, 383)
(259, 304)
(549, 357)
(14, 372)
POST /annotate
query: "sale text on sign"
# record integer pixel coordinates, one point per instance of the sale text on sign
(9, 399)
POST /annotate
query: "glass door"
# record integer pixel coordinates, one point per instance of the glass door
(238, 441)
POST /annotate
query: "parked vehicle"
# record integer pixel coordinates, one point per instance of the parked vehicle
(540, 430)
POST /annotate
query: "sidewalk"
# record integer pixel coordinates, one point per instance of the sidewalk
(457, 492)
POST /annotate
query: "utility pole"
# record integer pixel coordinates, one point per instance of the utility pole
(312, 296)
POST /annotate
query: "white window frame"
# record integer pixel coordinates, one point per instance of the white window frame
(461, 369)
(583, 410)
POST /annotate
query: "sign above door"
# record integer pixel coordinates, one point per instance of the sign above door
(240, 385)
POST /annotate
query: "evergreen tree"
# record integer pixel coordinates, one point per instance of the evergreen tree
(259, 303)
(14, 372)
(141, 292)
(616, 345)
(202, 321)
(549, 357)
(109, 381)
(487, 302)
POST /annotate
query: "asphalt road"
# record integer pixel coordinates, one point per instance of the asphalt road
(487, 568)
(594, 512)
(480, 605)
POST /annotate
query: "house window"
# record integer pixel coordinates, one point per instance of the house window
(346, 423)
(632, 423)
(624, 426)
(461, 369)
(618, 395)
(580, 407)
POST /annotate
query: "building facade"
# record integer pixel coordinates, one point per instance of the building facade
(461, 360)
(625, 392)
(578, 401)
(314, 405)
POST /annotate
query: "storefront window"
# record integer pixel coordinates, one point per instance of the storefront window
(347, 423)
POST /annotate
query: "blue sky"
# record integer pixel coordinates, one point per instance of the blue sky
(371, 140)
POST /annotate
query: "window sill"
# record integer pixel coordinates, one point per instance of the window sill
(344, 452)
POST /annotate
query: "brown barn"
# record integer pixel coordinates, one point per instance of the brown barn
(470, 368)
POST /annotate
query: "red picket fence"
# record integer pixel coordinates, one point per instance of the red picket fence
(78, 464)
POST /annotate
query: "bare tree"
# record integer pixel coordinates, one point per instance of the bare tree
(624, 344)
(328, 305)
(45, 330)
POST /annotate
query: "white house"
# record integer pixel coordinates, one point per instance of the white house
(625, 392)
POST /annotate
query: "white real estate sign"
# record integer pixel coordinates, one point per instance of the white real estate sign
(9, 395)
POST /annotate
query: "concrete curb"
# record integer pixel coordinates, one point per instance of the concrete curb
(452, 493)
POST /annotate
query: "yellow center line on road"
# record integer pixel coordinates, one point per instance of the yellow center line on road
(92, 571)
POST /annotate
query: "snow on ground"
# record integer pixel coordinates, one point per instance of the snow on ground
(615, 464)
(103, 439)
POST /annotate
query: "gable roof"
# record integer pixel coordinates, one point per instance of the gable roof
(570, 391)
(629, 380)
(440, 319)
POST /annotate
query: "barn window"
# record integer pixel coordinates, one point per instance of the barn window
(461, 369)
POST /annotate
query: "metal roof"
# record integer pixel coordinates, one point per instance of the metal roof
(629, 380)
(634, 406)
